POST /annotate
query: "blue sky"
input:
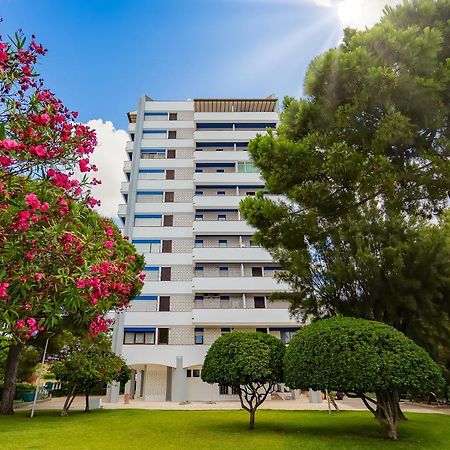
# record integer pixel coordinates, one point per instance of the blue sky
(104, 54)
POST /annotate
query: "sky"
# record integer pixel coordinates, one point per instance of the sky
(103, 55)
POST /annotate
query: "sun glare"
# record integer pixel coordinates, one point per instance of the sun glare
(352, 13)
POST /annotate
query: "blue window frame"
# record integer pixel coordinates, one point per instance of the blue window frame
(198, 170)
(198, 297)
(223, 243)
(199, 243)
(199, 217)
(198, 192)
(221, 217)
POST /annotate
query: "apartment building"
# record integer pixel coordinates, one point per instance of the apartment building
(188, 168)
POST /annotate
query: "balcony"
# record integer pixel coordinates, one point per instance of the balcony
(254, 285)
(131, 128)
(255, 318)
(226, 136)
(217, 201)
(129, 146)
(232, 255)
(168, 124)
(164, 143)
(225, 156)
(233, 178)
(222, 227)
(163, 185)
(236, 117)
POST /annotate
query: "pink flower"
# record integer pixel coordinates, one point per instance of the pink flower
(44, 206)
(84, 165)
(32, 201)
(4, 290)
(29, 256)
(109, 230)
(27, 306)
(20, 324)
(108, 244)
(39, 150)
(10, 144)
(6, 161)
(80, 284)
(38, 276)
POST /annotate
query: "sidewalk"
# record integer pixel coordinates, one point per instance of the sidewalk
(301, 404)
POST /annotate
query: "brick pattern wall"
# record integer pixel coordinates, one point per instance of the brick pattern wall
(181, 302)
(182, 246)
(210, 335)
(181, 336)
(181, 273)
(213, 242)
(183, 196)
(184, 173)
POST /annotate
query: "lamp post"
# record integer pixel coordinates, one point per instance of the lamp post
(39, 378)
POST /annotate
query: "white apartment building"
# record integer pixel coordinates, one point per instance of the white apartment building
(187, 171)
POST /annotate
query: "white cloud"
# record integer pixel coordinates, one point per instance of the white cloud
(108, 156)
(357, 13)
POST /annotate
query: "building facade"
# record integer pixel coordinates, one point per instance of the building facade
(187, 171)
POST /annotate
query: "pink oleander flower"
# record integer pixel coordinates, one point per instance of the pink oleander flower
(20, 324)
(44, 206)
(6, 161)
(38, 276)
(9, 144)
(32, 201)
(4, 290)
(108, 244)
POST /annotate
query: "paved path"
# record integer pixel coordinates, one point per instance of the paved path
(300, 404)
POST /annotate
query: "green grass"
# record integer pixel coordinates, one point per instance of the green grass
(146, 429)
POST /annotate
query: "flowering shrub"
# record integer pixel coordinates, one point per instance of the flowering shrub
(59, 258)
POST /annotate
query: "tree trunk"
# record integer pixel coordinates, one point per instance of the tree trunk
(86, 408)
(387, 412)
(9, 387)
(69, 399)
(252, 418)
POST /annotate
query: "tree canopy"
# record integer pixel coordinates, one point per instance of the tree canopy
(360, 356)
(363, 165)
(252, 363)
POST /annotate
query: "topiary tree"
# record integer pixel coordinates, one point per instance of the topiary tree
(252, 363)
(86, 363)
(366, 357)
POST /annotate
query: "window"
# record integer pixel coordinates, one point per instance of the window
(170, 174)
(246, 167)
(219, 149)
(257, 272)
(223, 243)
(223, 271)
(168, 219)
(189, 373)
(173, 116)
(220, 192)
(167, 246)
(223, 390)
(234, 391)
(260, 302)
(220, 170)
(163, 335)
(253, 243)
(169, 197)
(198, 337)
(148, 154)
(199, 217)
(225, 331)
(198, 298)
(138, 337)
(172, 134)
(164, 303)
(198, 192)
(286, 336)
(166, 273)
(196, 373)
(199, 271)
(151, 273)
(250, 193)
(224, 298)
(198, 170)
(144, 246)
(221, 217)
(199, 243)
(261, 330)
(171, 154)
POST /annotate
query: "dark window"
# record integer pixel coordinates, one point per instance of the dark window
(170, 174)
(133, 337)
(189, 373)
(257, 272)
(223, 243)
(172, 134)
(166, 273)
(168, 219)
(169, 197)
(235, 391)
(199, 217)
(261, 330)
(259, 302)
(171, 154)
(250, 193)
(198, 336)
(196, 373)
(173, 116)
(221, 217)
(167, 246)
(198, 192)
(164, 303)
(220, 170)
(225, 331)
(163, 335)
(223, 390)
(220, 192)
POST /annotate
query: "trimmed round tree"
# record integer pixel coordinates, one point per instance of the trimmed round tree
(251, 363)
(358, 356)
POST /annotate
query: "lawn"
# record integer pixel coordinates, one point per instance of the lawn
(144, 429)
